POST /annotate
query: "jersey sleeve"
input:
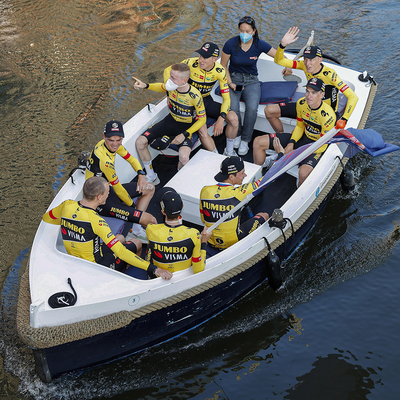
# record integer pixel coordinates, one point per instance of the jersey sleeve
(108, 170)
(157, 87)
(300, 125)
(201, 114)
(285, 62)
(223, 84)
(101, 228)
(352, 98)
(54, 215)
(199, 254)
(128, 157)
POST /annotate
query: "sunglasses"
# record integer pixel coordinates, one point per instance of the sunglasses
(247, 20)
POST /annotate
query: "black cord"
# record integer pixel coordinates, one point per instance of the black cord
(63, 299)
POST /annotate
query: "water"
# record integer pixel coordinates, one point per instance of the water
(332, 332)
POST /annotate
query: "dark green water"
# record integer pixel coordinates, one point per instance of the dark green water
(332, 333)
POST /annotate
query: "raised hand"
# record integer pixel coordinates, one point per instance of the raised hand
(290, 36)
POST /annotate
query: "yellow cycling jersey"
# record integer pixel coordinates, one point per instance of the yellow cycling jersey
(175, 248)
(205, 80)
(81, 230)
(314, 123)
(184, 107)
(218, 200)
(332, 81)
(102, 163)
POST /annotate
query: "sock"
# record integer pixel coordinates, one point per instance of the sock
(229, 145)
(136, 229)
(149, 169)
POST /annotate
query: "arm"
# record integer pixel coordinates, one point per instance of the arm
(224, 62)
(226, 103)
(199, 252)
(156, 87)
(352, 100)
(201, 115)
(54, 215)
(102, 229)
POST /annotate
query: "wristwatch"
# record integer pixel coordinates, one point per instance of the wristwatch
(140, 172)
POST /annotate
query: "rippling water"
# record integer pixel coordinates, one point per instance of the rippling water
(333, 331)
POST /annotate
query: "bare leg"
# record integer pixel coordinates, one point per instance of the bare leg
(273, 113)
(232, 127)
(260, 144)
(147, 194)
(205, 139)
(141, 146)
(304, 171)
(184, 154)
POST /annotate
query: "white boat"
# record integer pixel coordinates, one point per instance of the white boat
(114, 314)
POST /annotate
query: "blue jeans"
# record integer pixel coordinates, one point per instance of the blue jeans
(251, 96)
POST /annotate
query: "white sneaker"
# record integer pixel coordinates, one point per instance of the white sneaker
(140, 236)
(230, 153)
(237, 141)
(243, 149)
(269, 161)
(155, 181)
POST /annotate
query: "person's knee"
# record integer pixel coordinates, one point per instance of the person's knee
(184, 157)
(148, 190)
(141, 143)
(261, 143)
(147, 218)
(304, 171)
(232, 119)
(203, 132)
(272, 111)
(264, 215)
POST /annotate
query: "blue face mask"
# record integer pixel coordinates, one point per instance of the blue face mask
(245, 37)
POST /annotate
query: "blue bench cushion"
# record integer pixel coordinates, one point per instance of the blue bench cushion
(274, 91)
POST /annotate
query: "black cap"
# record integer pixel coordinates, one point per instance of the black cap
(231, 165)
(209, 49)
(312, 52)
(316, 84)
(171, 203)
(114, 128)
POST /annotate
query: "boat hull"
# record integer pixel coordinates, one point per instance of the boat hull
(164, 324)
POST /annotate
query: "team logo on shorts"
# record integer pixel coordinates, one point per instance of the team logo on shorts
(136, 214)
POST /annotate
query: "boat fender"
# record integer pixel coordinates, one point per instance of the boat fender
(63, 299)
(83, 159)
(273, 265)
(347, 178)
(277, 221)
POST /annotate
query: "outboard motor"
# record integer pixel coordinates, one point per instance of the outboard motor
(273, 265)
